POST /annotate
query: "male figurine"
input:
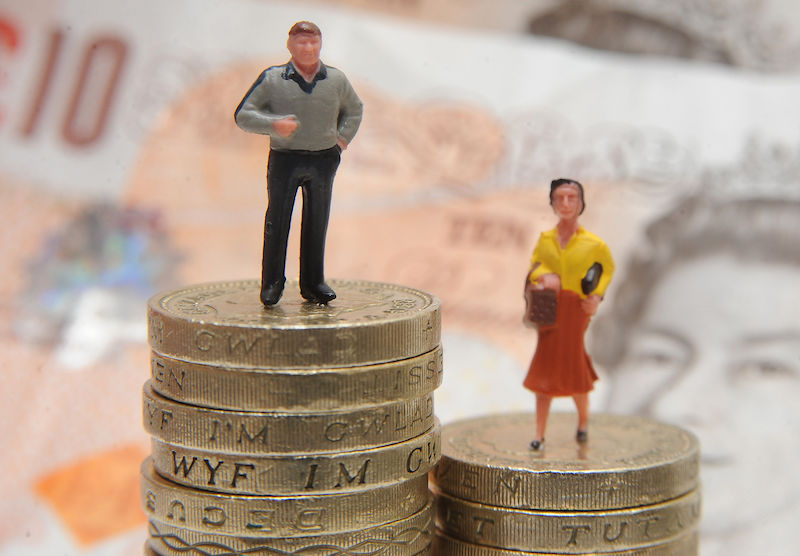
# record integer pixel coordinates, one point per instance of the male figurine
(311, 113)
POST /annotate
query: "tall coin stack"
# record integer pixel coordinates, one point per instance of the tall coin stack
(631, 489)
(293, 429)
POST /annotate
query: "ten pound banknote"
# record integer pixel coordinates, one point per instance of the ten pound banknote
(122, 174)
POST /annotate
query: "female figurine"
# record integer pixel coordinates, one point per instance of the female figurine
(576, 266)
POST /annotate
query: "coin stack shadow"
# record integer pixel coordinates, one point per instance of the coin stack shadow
(631, 489)
(294, 429)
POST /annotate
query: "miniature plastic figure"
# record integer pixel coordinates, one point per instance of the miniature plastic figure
(570, 271)
(311, 113)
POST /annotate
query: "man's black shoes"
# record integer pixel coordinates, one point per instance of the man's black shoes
(318, 293)
(271, 293)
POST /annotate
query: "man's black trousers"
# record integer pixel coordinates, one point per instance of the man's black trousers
(313, 172)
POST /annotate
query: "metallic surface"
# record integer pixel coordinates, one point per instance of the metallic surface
(253, 389)
(410, 535)
(685, 545)
(277, 516)
(279, 433)
(567, 532)
(298, 473)
(627, 462)
(224, 323)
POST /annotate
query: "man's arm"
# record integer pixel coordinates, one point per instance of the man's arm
(351, 110)
(253, 113)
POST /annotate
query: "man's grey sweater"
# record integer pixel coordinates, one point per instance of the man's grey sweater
(326, 109)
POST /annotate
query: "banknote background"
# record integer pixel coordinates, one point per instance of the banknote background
(122, 173)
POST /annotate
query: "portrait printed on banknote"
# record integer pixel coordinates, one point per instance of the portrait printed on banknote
(703, 333)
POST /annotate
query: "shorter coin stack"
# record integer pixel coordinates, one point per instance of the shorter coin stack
(298, 428)
(631, 489)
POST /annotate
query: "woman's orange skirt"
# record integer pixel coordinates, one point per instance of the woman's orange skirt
(561, 366)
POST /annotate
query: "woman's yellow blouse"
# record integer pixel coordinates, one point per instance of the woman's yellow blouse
(573, 261)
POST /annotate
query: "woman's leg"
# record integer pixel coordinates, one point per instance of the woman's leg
(542, 413)
(582, 404)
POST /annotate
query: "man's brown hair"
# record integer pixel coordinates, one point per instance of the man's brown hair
(304, 27)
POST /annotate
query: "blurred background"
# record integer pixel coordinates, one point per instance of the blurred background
(123, 174)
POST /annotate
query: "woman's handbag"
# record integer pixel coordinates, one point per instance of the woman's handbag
(540, 307)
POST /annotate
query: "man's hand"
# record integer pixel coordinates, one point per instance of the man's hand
(590, 304)
(285, 126)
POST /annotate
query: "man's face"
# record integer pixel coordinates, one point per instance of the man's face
(304, 48)
(567, 201)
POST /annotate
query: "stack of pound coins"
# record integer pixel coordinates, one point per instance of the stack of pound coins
(293, 429)
(631, 489)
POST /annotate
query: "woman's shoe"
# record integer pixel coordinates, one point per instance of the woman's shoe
(536, 444)
(582, 436)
